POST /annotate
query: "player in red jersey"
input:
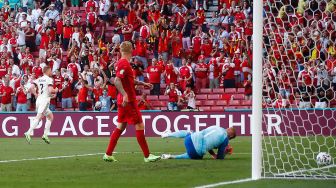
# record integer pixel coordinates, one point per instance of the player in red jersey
(128, 112)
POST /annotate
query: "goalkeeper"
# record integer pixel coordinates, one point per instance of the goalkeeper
(199, 143)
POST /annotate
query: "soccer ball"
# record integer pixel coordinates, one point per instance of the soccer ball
(98, 106)
(323, 159)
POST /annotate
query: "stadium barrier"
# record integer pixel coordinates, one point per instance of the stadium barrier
(96, 124)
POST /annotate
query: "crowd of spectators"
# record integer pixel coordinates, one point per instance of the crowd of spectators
(174, 44)
(300, 53)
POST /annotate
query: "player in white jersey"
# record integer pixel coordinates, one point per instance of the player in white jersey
(44, 90)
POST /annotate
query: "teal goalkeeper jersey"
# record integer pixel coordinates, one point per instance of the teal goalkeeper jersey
(209, 138)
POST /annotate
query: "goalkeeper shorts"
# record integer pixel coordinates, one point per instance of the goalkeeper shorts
(191, 148)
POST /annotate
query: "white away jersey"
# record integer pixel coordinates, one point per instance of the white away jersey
(43, 84)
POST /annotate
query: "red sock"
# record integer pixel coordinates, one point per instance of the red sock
(142, 142)
(113, 141)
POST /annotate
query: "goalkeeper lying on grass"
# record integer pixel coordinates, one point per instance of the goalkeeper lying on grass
(198, 143)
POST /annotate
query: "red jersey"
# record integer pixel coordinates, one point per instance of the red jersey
(91, 17)
(127, 36)
(21, 96)
(229, 74)
(125, 73)
(185, 72)
(38, 71)
(141, 49)
(97, 92)
(7, 98)
(74, 69)
(173, 95)
(58, 81)
(89, 4)
(3, 71)
(197, 42)
(213, 67)
(83, 94)
(176, 49)
(171, 76)
(59, 27)
(67, 91)
(206, 48)
(163, 45)
(154, 73)
(201, 70)
(44, 41)
(67, 32)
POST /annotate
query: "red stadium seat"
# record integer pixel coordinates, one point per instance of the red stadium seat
(201, 97)
(230, 90)
(221, 103)
(205, 108)
(234, 103)
(217, 108)
(209, 103)
(198, 103)
(239, 97)
(152, 97)
(163, 97)
(214, 97)
(246, 102)
(206, 90)
(218, 91)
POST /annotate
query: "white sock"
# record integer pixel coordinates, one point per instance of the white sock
(33, 126)
(47, 127)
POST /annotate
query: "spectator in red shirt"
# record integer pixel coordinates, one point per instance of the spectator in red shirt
(214, 73)
(141, 51)
(6, 94)
(228, 72)
(186, 74)
(143, 103)
(67, 33)
(21, 94)
(83, 93)
(154, 75)
(171, 73)
(201, 74)
(174, 97)
(91, 18)
(248, 87)
(177, 51)
(163, 46)
(206, 48)
(66, 92)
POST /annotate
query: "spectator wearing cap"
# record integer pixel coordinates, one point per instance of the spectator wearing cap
(6, 94)
(154, 75)
(52, 13)
(201, 73)
(21, 95)
(228, 72)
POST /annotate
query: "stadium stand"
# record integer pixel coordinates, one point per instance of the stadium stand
(205, 45)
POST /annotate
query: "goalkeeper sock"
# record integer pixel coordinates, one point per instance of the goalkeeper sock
(182, 156)
(33, 126)
(179, 134)
(47, 127)
(142, 142)
(113, 141)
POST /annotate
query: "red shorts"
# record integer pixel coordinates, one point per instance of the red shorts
(129, 114)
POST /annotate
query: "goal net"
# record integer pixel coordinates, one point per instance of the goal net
(299, 84)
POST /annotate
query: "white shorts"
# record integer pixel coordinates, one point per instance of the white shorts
(42, 106)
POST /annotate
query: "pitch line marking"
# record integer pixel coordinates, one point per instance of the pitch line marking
(225, 183)
(81, 155)
(306, 170)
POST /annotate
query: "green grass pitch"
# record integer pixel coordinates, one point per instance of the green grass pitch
(130, 171)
